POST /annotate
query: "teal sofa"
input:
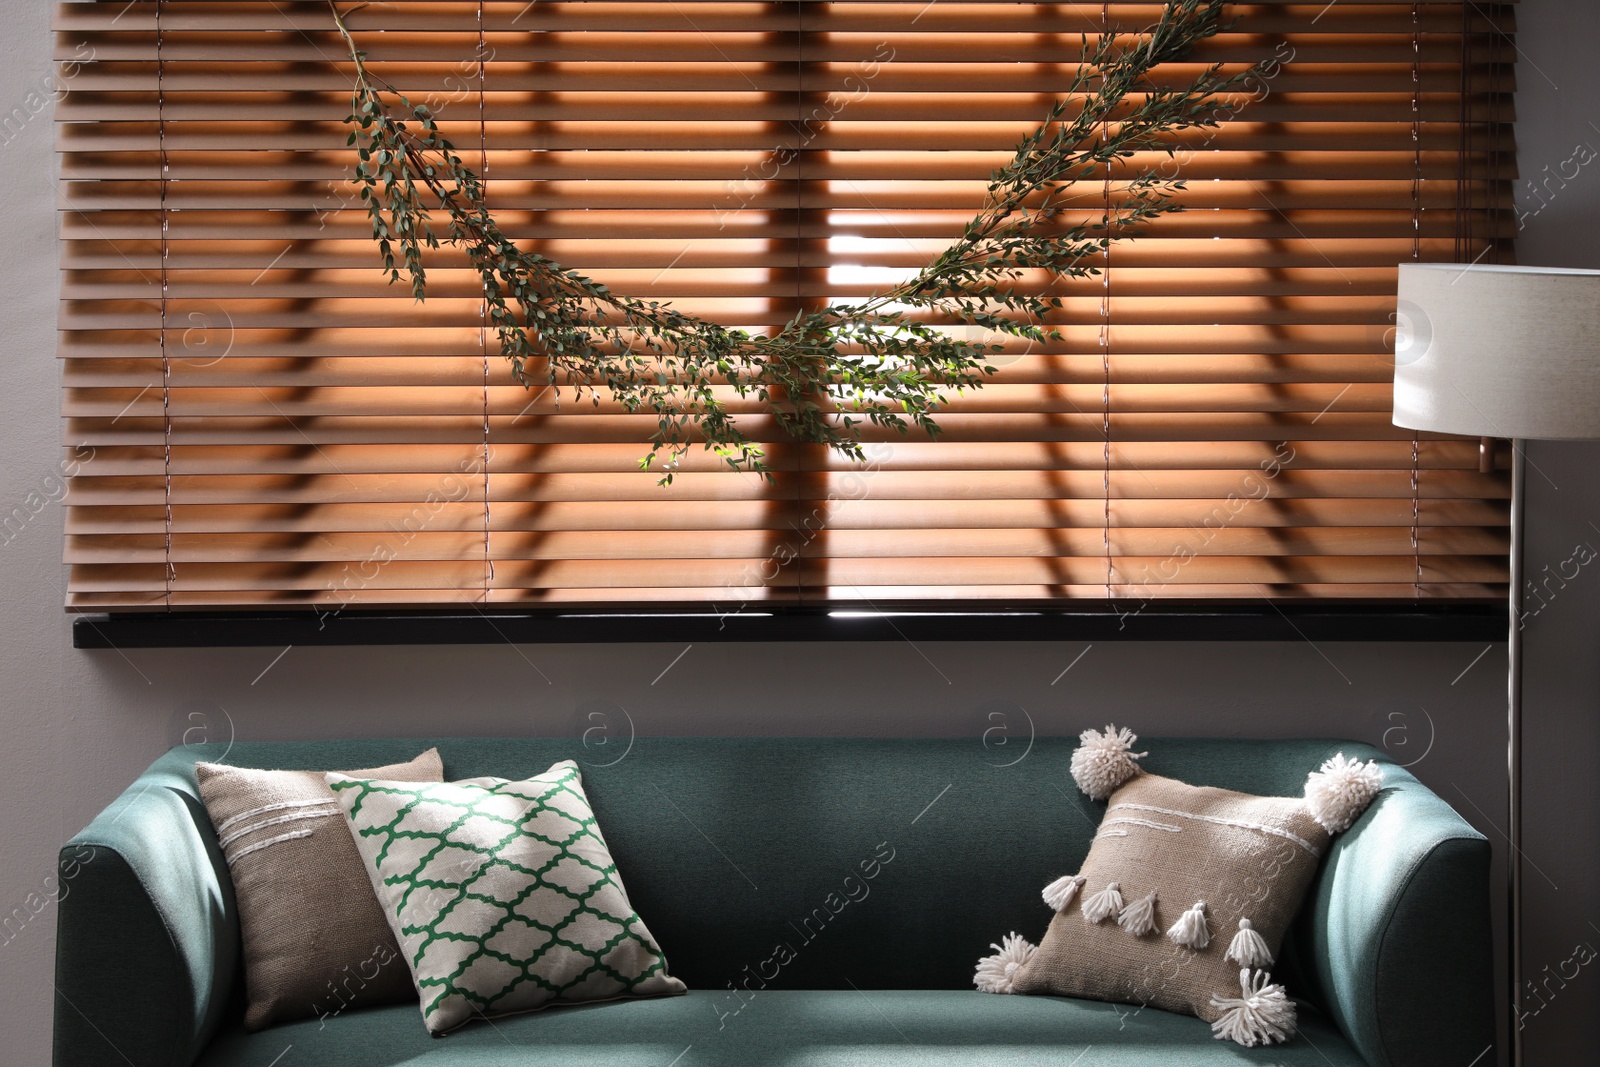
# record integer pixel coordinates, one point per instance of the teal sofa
(730, 847)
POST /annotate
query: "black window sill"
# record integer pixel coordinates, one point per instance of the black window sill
(1211, 621)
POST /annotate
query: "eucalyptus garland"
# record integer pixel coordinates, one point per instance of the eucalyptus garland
(827, 372)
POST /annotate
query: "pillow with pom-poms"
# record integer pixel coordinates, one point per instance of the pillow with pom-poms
(1186, 894)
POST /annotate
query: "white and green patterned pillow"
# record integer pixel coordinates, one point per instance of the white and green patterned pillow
(502, 895)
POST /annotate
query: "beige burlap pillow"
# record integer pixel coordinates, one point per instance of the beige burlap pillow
(315, 941)
(1186, 894)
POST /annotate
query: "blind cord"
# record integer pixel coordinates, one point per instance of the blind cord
(1464, 116)
(1491, 126)
(800, 134)
(483, 327)
(166, 360)
(1105, 335)
(1416, 255)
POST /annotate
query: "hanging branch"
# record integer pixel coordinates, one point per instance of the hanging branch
(825, 371)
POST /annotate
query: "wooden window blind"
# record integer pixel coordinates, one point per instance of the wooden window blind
(255, 419)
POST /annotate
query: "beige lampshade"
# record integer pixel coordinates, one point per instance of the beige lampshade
(1493, 351)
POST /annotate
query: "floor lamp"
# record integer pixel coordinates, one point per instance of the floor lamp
(1501, 352)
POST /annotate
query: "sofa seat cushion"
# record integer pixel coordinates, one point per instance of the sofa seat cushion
(785, 1028)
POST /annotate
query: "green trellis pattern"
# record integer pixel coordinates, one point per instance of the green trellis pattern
(503, 895)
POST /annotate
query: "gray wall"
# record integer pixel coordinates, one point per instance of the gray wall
(78, 726)
(1558, 110)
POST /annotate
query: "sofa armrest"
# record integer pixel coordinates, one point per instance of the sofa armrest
(1399, 937)
(146, 946)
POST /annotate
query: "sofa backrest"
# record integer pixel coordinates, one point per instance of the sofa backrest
(824, 862)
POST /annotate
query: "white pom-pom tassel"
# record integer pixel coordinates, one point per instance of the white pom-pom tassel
(1059, 893)
(1341, 791)
(1103, 904)
(1191, 931)
(1262, 1015)
(1248, 948)
(1104, 761)
(994, 973)
(1139, 918)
